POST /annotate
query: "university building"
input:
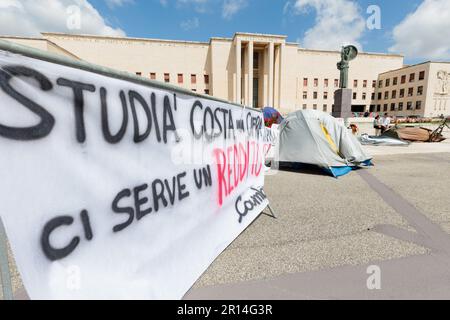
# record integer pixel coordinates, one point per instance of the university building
(418, 90)
(258, 70)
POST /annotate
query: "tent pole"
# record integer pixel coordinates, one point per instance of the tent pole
(4, 265)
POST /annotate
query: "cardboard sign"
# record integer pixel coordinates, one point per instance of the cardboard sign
(115, 189)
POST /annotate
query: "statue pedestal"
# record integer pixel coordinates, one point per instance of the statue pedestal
(342, 104)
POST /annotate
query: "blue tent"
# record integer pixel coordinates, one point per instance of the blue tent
(269, 114)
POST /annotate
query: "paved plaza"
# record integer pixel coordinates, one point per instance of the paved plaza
(395, 215)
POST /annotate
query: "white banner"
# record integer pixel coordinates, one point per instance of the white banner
(111, 189)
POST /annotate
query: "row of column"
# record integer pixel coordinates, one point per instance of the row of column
(272, 63)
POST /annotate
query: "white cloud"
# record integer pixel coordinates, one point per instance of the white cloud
(31, 17)
(200, 6)
(337, 23)
(190, 24)
(117, 3)
(231, 7)
(425, 33)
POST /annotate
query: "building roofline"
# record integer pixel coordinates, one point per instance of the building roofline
(259, 35)
(220, 39)
(408, 66)
(22, 38)
(362, 53)
(58, 34)
(415, 65)
(41, 39)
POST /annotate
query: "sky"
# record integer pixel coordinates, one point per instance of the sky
(418, 29)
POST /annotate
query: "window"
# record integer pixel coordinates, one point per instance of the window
(206, 91)
(152, 75)
(139, 73)
(355, 83)
(166, 77)
(304, 107)
(180, 78)
(394, 94)
(315, 95)
(315, 106)
(388, 82)
(372, 96)
(418, 105)
(386, 95)
(378, 107)
(193, 78)
(421, 75)
(325, 108)
(206, 78)
(374, 83)
(305, 82)
(394, 81)
(392, 106)
(255, 60)
(325, 95)
(305, 95)
(336, 83)
(403, 79)
(380, 83)
(420, 90)
(402, 93)
(379, 95)
(325, 83)
(410, 92)
(400, 106)
(385, 107)
(316, 82)
(412, 76)
(409, 105)
(364, 96)
(365, 84)
(354, 96)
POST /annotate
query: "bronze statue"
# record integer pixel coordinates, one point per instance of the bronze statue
(348, 53)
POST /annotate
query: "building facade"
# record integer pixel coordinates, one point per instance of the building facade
(420, 90)
(252, 69)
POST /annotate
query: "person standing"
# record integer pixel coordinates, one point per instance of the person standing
(386, 122)
(377, 125)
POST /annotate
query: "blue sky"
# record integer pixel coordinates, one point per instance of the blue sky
(416, 28)
(151, 19)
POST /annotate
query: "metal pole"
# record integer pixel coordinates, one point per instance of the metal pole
(4, 265)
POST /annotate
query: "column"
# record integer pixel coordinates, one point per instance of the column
(238, 72)
(250, 74)
(270, 88)
(276, 78)
(280, 71)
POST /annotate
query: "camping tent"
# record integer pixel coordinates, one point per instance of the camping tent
(316, 138)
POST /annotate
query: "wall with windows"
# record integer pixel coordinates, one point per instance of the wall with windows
(318, 77)
(293, 78)
(181, 63)
(419, 90)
